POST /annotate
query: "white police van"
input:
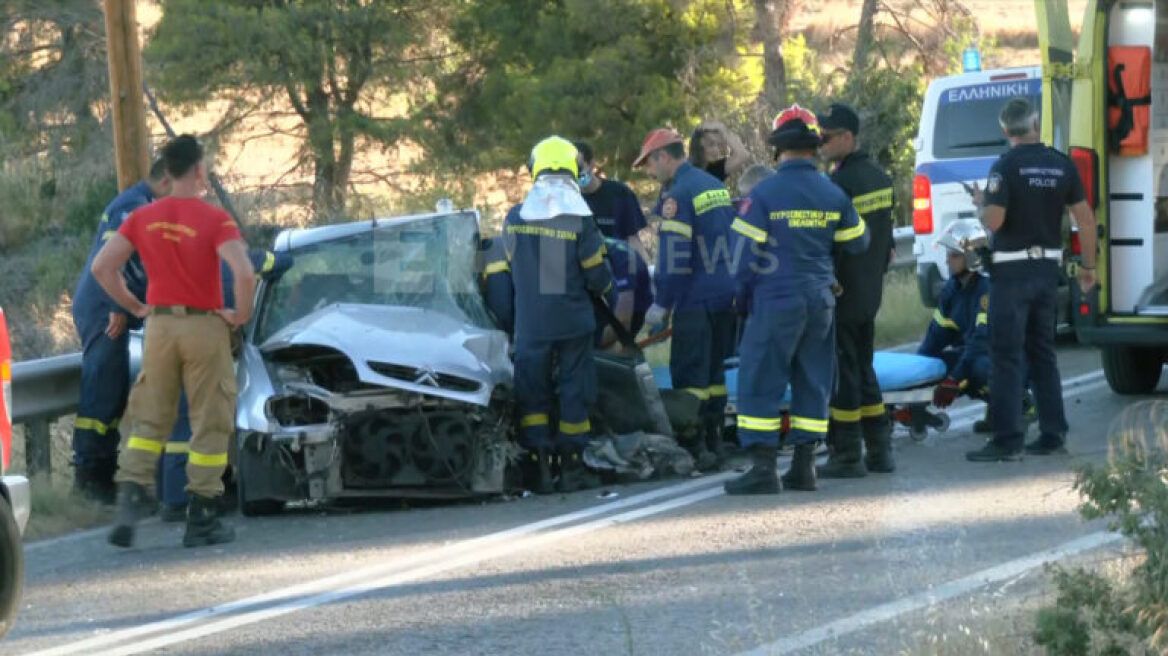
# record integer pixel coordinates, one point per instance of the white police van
(957, 142)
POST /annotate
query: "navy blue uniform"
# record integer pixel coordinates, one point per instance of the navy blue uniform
(630, 275)
(616, 209)
(105, 362)
(495, 284)
(786, 241)
(557, 266)
(1034, 184)
(172, 474)
(959, 333)
(694, 279)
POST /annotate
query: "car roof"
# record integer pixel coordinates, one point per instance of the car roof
(294, 238)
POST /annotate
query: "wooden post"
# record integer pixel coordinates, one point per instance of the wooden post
(125, 73)
(37, 449)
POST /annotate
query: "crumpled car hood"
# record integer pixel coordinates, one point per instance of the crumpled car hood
(425, 341)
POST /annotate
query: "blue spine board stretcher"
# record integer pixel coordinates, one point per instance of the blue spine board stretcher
(904, 378)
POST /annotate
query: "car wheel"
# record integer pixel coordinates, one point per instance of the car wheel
(11, 567)
(1131, 370)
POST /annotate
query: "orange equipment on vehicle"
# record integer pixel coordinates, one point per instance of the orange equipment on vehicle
(1129, 99)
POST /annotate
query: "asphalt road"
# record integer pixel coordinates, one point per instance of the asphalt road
(674, 567)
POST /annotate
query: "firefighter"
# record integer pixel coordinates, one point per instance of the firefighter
(858, 416)
(785, 239)
(495, 284)
(558, 267)
(634, 292)
(105, 357)
(1027, 192)
(694, 284)
(172, 475)
(187, 343)
(959, 331)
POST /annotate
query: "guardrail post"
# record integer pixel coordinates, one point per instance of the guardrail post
(37, 449)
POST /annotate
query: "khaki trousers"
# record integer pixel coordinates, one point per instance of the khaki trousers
(191, 353)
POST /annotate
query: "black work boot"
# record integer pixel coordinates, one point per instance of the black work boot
(537, 471)
(761, 478)
(204, 528)
(96, 482)
(801, 475)
(983, 426)
(994, 452)
(172, 514)
(715, 445)
(574, 474)
(844, 458)
(1047, 444)
(134, 503)
(878, 440)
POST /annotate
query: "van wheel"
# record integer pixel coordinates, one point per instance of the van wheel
(1131, 370)
(11, 567)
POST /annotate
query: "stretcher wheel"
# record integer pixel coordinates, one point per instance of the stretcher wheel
(942, 422)
(918, 434)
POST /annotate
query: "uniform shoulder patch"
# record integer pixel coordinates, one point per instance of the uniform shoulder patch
(669, 208)
(985, 301)
(994, 183)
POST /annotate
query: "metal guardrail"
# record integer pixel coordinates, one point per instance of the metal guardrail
(46, 389)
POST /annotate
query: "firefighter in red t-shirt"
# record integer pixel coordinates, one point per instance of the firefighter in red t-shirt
(187, 343)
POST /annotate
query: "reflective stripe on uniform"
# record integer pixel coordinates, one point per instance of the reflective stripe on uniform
(269, 262)
(874, 410)
(143, 444)
(854, 232)
(760, 423)
(750, 232)
(177, 447)
(709, 200)
(677, 227)
(496, 267)
(943, 321)
(873, 201)
(533, 420)
(982, 319)
(702, 394)
(95, 425)
(808, 424)
(577, 428)
(849, 416)
(207, 459)
(593, 261)
(717, 390)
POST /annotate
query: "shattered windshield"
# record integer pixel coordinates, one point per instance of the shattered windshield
(424, 263)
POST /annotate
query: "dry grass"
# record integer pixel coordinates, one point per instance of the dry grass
(902, 317)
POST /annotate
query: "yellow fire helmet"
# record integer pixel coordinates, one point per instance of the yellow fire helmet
(553, 154)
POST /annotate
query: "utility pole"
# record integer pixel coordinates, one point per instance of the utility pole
(125, 73)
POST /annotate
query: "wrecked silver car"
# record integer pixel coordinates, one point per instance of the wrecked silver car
(374, 369)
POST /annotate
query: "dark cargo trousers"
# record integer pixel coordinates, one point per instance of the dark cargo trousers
(857, 396)
(536, 387)
(190, 353)
(702, 340)
(105, 385)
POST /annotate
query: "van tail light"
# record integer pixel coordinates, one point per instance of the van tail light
(922, 205)
(6, 380)
(1087, 161)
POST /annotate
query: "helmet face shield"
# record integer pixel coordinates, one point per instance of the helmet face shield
(965, 236)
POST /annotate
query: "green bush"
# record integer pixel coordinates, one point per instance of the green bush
(1092, 614)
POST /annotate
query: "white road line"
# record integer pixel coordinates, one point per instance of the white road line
(927, 598)
(317, 586)
(407, 576)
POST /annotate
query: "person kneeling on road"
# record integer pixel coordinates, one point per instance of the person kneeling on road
(187, 342)
(786, 238)
(557, 266)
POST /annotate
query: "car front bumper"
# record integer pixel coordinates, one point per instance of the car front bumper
(16, 489)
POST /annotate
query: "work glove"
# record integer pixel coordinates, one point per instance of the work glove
(656, 318)
(946, 393)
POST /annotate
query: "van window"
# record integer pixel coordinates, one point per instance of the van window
(967, 118)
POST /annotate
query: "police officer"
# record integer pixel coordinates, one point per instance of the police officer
(172, 475)
(792, 224)
(693, 281)
(495, 283)
(1028, 189)
(857, 408)
(105, 357)
(634, 291)
(187, 345)
(557, 264)
(959, 332)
